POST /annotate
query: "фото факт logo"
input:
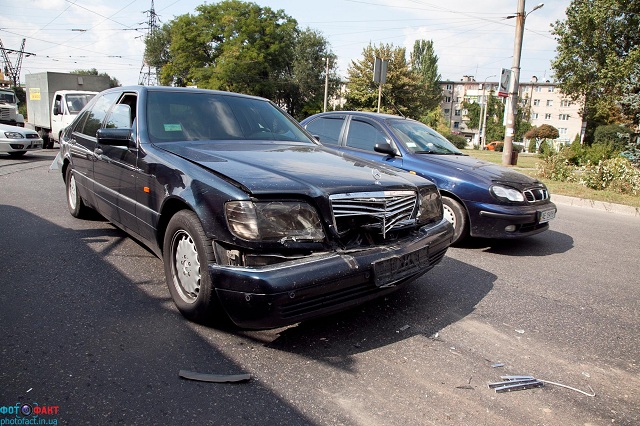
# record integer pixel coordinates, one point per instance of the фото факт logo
(28, 414)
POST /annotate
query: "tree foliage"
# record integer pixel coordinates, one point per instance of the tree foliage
(243, 47)
(494, 130)
(402, 93)
(473, 114)
(545, 131)
(424, 62)
(598, 49)
(113, 82)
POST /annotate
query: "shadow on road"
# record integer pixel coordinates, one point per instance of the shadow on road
(444, 295)
(78, 334)
(545, 244)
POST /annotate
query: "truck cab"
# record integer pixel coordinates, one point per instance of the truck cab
(66, 105)
(9, 108)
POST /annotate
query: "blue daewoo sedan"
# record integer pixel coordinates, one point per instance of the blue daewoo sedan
(480, 199)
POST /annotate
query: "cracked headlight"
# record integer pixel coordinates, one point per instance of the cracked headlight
(505, 193)
(13, 135)
(276, 220)
(430, 209)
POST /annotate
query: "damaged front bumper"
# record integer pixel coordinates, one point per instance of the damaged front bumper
(290, 292)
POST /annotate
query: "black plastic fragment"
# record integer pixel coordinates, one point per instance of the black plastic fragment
(214, 378)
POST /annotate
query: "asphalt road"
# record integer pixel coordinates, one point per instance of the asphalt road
(88, 329)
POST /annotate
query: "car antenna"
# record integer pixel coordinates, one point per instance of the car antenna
(395, 107)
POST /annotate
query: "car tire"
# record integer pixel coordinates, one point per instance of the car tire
(75, 204)
(186, 253)
(456, 214)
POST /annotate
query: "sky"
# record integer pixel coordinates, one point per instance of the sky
(471, 37)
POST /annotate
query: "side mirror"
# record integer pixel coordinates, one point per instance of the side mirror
(385, 148)
(114, 137)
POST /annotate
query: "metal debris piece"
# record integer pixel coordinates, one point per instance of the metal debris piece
(403, 328)
(214, 378)
(497, 364)
(514, 383)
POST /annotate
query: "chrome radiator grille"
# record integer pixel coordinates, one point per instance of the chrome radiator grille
(534, 195)
(383, 210)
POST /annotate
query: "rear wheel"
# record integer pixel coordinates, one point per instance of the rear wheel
(456, 214)
(74, 201)
(187, 253)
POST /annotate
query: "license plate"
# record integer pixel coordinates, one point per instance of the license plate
(391, 270)
(547, 215)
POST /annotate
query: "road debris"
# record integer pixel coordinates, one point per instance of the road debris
(497, 365)
(214, 378)
(513, 383)
(403, 328)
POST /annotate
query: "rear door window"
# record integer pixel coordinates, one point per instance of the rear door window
(327, 129)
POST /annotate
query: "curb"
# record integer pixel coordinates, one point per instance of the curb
(598, 205)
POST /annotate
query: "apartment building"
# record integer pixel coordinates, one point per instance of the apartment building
(548, 106)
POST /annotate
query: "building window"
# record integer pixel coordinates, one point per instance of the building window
(536, 102)
(563, 117)
(562, 131)
(549, 102)
(449, 86)
(447, 111)
(457, 99)
(534, 115)
(551, 89)
(547, 116)
(456, 125)
(538, 88)
(457, 112)
(447, 99)
(565, 103)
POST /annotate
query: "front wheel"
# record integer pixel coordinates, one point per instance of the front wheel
(456, 214)
(187, 253)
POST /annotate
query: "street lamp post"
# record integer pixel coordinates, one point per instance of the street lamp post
(482, 119)
(514, 83)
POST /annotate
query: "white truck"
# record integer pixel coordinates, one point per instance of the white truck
(9, 108)
(55, 99)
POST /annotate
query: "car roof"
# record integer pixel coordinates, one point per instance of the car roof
(370, 114)
(141, 88)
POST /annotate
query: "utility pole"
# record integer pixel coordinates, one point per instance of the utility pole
(149, 76)
(512, 106)
(482, 119)
(380, 76)
(14, 70)
(326, 85)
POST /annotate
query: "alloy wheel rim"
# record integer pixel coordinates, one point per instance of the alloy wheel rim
(186, 267)
(72, 191)
(449, 215)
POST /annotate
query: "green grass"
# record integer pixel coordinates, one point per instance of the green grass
(527, 165)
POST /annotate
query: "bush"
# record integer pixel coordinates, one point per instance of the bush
(614, 135)
(581, 155)
(533, 146)
(459, 141)
(617, 174)
(556, 167)
(632, 153)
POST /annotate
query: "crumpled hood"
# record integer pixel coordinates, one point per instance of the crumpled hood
(480, 169)
(285, 167)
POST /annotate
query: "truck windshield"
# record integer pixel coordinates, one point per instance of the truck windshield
(75, 103)
(7, 98)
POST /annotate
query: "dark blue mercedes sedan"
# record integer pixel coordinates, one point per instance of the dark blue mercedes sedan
(480, 199)
(255, 221)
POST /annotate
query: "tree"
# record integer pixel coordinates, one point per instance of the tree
(113, 82)
(616, 135)
(402, 93)
(424, 62)
(494, 130)
(631, 96)
(311, 52)
(243, 47)
(473, 114)
(542, 134)
(598, 48)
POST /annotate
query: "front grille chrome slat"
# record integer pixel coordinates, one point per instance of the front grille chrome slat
(385, 209)
(535, 195)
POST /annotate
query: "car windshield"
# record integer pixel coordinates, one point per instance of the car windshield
(183, 116)
(421, 139)
(6, 97)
